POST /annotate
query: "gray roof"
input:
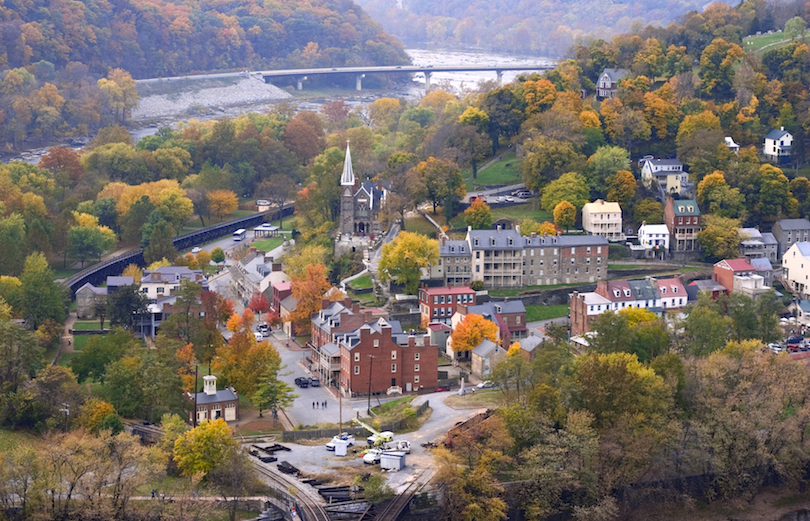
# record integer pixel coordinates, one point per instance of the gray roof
(768, 238)
(663, 162)
(530, 343)
(751, 233)
(565, 240)
(485, 348)
(643, 289)
(289, 303)
(708, 285)
(331, 349)
(616, 74)
(459, 249)
(501, 240)
(794, 224)
(170, 274)
(120, 281)
(376, 195)
(491, 308)
(762, 264)
(94, 289)
(225, 395)
(777, 134)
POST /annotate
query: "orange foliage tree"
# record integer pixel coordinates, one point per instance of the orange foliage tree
(243, 360)
(308, 289)
(472, 331)
(222, 202)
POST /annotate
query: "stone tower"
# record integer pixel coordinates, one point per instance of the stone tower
(347, 189)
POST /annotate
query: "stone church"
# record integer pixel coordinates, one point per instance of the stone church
(360, 203)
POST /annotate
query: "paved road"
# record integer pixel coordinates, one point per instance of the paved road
(504, 190)
(243, 74)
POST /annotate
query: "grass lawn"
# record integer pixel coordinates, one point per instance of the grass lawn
(366, 299)
(303, 339)
(389, 407)
(64, 360)
(504, 172)
(268, 245)
(540, 312)
(418, 224)
(516, 212)
(476, 400)
(12, 439)
(87, 325)
(361, 282)
(757, 43)
(630, 266)
(79, 341)
(60, 273)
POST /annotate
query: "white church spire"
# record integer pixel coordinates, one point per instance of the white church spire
(347, 179)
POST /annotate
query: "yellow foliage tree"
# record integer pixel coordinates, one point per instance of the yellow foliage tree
(636, 316)
(204, 448)
(93, 413)
(471, 331)
(222, 202)
(134, 271)
(529, 226)
(565, 215)
(162, 263)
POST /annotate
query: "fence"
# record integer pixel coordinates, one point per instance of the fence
(292, 436)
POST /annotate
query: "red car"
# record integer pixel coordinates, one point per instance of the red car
(442, 389)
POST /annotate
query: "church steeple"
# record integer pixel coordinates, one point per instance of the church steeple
(347, 178)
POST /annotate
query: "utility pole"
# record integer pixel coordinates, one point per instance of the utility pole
(65, 409)
(370, 360)
(194, 414)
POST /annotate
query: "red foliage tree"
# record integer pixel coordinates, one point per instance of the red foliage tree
(259, 303)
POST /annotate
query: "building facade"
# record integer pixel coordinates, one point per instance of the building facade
(255, 273)
(605, 219)
(508, 315)
(796, 269)
(682, 218)
(778, 144)
(654, 239)
(455, 263)
(212, 404)
(163, 281)
(88, 295)
(608, 82)
(439, 304)
(788, 232)
(360, 203)
(666, 175)
(757, 245)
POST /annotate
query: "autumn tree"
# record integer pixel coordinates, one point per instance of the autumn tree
(259, 303)
(621, 188)
(529, 226)
(719, 237)
(218, 255)
(565, 215)
(604, 164)
(204, 448)
(478, 215)
(440, 179)
(308, 288)
(278, 188)
(404, 258)
(296, 261)
(571, 187)
(222, 202)
(272, 393)
(546, 160)
(161, 243)
(471, 331)
(648, 210)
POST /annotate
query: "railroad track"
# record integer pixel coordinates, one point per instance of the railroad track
(393, 509)
(308, 508)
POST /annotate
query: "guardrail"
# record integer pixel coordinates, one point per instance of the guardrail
(97, 274)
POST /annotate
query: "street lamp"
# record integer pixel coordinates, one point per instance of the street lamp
(65, 409)
(370, 360)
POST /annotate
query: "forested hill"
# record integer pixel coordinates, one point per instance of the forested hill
(548, 27)
(153, 38)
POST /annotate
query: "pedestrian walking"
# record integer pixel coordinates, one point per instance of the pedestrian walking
(70, 341)
(153, 493)
(324, 404)
(313, 405)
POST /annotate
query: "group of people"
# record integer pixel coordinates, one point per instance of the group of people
(319, 405)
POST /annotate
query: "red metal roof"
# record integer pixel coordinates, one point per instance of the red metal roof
(738, 264)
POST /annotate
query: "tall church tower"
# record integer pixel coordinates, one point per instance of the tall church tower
(347, 189)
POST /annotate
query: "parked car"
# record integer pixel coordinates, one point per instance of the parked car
(399, 445)
(776, 348)
(372, 456)
(442, 389)
(196, 250)
(315, 382)
(302, 382)
(345, 436)
(509, 199)
(486, 385)
(259, 336)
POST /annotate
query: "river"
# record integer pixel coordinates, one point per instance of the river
(460, 82)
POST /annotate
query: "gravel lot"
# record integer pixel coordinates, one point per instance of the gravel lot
(245, 91)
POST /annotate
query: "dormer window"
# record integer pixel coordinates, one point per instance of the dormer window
(691, 208)
(510, 241)
(452, 249)
(475, 242)
(663, 291)
(492, 241)
(497, 309)
(461, 249)
(674, 289)
(627, 293)
(617, 292)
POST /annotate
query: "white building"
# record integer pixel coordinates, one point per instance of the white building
(777, 145)
(163, 281)
(601, 218)
(796, 269)
(667, 174)
(608, 82)
(654, 236)
(734, 147)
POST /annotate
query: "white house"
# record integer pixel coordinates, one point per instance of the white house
(601, 218)
(734, 147)
(777, 145)
(654, 237)
(608, 82)
(163, 281)
(666, 173)
(796, 269)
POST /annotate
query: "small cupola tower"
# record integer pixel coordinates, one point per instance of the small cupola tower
(210, 385)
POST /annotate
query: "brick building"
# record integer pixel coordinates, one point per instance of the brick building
(378, 356)
(508, 315)
(439, 304)
(682, 218)
(212, 404)
(564, 259)
(281, 290)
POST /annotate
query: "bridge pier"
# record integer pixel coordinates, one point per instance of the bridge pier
(359, 81)
(427, 81)
(500, 77)
(300, 80)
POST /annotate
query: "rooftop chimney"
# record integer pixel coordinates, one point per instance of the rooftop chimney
(442, 239)
(534, 234)
(210, 385)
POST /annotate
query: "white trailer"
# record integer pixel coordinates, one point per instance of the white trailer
(392, 460)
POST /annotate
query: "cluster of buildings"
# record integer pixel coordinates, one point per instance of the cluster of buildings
(158, 285)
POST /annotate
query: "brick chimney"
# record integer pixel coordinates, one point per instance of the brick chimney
(442, 239)
(368, 315)
(602, 288)
(355, 307)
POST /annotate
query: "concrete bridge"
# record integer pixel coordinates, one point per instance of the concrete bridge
(360, 72)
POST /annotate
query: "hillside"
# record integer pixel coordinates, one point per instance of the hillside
(545, 28)
(154, 38)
